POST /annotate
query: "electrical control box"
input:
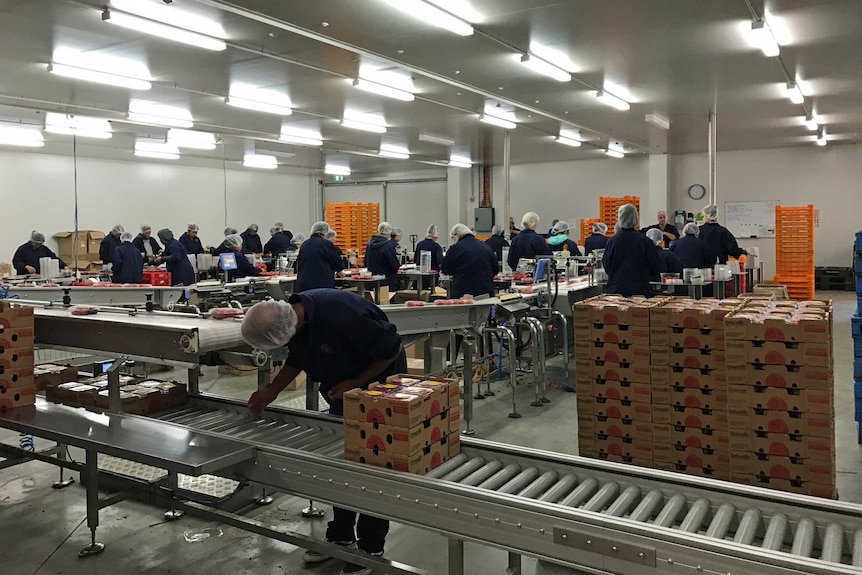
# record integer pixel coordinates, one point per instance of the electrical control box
(483, 219)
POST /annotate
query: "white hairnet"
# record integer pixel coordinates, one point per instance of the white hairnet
(710, 211)
(330, 235)
(37, 237)
(297, 239)
(459, 231)
(627, 216)
(655, 235)
(617, 228)
(600, 228)
(146, 228)
(117, 229)
(691, 229)
(253, 228)
(497, 230)
(228, 231)
(560, 227)
(126, 237)
(165, 235)
(193, 227)
(396, 232)
(530, 220)
(269, 325)
(384, 229)
(433, 231)
(233, 240)
(321, 228)
(274, 230)
(279, 225)
(661, 213)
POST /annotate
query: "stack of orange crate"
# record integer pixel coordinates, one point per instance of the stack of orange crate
(794, 250)
(587, 229)
(608, 207)
(354, 224)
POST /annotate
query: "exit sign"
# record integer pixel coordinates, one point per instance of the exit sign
(337, 178)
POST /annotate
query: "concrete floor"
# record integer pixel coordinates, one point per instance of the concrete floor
(42, 529)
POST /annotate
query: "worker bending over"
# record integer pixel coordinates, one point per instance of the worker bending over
(191, 242)
(26, 258)
(176, 259)
(251, 240)
(244, 268)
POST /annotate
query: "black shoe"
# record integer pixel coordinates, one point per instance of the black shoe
(351, 569)
(568, 389)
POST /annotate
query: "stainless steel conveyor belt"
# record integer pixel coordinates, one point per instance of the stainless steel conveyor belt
(611, 517)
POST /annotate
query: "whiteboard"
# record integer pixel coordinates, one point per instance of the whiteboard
(750, 219)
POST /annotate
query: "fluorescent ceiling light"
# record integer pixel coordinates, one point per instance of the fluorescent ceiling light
(495, 121)
(192, 139)
(393, 151)
(460, 162)
(614, 153)
(382, 90)
(611, 100)
(764, 39)
(657, 121)
(25, 137)
(544, 67)
(431, 138)
(812, 123)
(821, 137)
(336, 170)
(568, 141)
(259, 100)
(77, 126)
(89, 75)
(166, 31)
(262, 161)
(617, 147)
(793, 92)
(554, 56)
(258, 106)
(147, 112)
(300, 137)
(353, 124)
(157, 150)
(432, 15)
(365, 122)
(571, 134)
(460, 8)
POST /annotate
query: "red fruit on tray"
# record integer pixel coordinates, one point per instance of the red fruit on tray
(415, 303)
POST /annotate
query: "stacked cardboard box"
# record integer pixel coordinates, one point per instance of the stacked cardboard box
(86, 249)
(689, 386)
(136, 396)
(49, 375)
(408, 424)
(612, 367)
(16, 356)
(780, 376)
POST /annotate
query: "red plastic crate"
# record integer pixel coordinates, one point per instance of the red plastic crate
(156, 278)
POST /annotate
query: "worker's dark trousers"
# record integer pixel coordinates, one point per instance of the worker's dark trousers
(370, 532)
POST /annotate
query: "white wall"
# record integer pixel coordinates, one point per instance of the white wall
(828, 177)
(37, 192)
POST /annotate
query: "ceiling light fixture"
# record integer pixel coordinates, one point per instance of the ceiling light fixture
(165, 31)
(812, 123)
(191, 139)
(77, 126)
(764, 39)
(266, 101)
(20, 136)
(146, 112)
(383, 90)
(336, 170)
(541, 66)
(393, 151)
(614, 153)
(793, 92)
(612, 101)
(356, 125)
(657, 121)
(433, 15)
(88, 75)
(495, 121)
(183, 26)
(261, 161)
(432, 139)
(300, 137)
(568, 141)
(459, 162)
(157, 150)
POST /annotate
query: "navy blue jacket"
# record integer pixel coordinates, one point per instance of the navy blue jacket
(192, 245)
(278, 244)
(428, 245)
(667, 228)
(128, 265)
(27, 255)
(693, 252)
(138, 242)
(527, 244)
(381, 259)
(595, 242)
(670, 264)
(342, 334)
(177, 260)
(497, 243)
(720, 241)
(288, 235)
(631, 262)
(244, 268)
(574, 250)
(107, 246)
(472, 265)
(251, 243)
(317, 263)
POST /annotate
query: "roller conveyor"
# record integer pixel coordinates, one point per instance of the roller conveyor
(557, 503)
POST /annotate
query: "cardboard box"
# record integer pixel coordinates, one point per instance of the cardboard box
(73, 393)
(778, 327)
(708, 440)
(624, 410)
(683, 457)
(666, 336)
(781, 399)
(695, 358)
(454, 444)
(6, 270)
(17, 377)
(17, 358)
(452, 386)
(807, 447)
(615, 353)
(792, 423)
(88, 241)
(455, 419)
(712, 418)
(792, 486)
(15, 316)
(779, 353)
(639, 373)
(620, 315)
(400, 407)
(586, 443)
(698, 397)
(628, 452)
(48, 375)
(680, 377)
(621, 390)
(594, 426)
(688, 314)
(782, 376)
(618, 334)
(420, 462)
(796, 470)
(16, 397)
(377, 437)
